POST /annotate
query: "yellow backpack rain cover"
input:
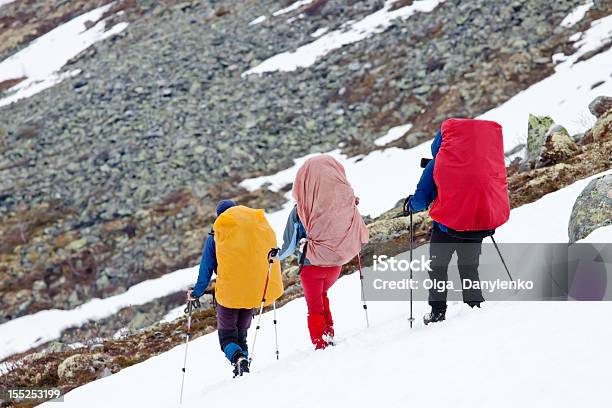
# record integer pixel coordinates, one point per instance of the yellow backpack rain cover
(243, 239)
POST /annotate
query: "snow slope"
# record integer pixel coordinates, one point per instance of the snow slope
(17, 335)
(576, 15)
(505, 355)
(600, 235)
(307, 55)
(545, 220)
(565, 95)
(508, 354)
(55, 48)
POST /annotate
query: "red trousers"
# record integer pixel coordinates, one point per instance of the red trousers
(316, 281)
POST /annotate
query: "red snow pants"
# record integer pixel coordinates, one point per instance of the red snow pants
(316, 281)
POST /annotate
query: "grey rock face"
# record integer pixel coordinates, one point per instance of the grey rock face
(602, 130)
(558, 147)
(75, 366)
(537, 130)
(592, 209)
(600, 105)
(547, 143)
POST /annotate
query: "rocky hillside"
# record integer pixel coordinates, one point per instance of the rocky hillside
(110, 177)
(67, 366)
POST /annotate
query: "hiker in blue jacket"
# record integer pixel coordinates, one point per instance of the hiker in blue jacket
(208, 263)
(426, 190)
(294, 233)
(443, 243)
(232, 324)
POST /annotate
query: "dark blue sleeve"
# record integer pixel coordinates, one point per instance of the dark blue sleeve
(426, 188)
(208, 265)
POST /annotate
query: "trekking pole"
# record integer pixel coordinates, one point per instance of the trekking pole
(275, 328)
(502, 258)
(365, 305)
(263, 301)
(188, 310)
(411, 319)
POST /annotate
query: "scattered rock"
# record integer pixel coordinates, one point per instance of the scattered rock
(75, 368)
(102, 282)
(602, 130)
(537, 129)
(592, 209)
(558, 147)
(78, 244)
(39, 285)
(600, 105)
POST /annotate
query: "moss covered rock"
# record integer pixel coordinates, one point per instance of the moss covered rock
(592, 209)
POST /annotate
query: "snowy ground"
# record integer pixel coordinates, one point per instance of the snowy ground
(505, 355)
(307, 55)
(4, 2)
(55, 48)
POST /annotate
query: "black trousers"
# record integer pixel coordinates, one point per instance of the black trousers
(441, 249)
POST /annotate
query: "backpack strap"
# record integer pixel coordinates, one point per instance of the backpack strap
(470, 235)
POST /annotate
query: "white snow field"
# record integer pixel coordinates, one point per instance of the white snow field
(505, 355)
(55, 48)
(5, 2)
(292, 7)
(600, 235)
(393, 134)
(565, 95)
(374, 23)
(576, 15)
(17, 335)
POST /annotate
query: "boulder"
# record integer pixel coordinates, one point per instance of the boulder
(78, 367)
(537, 129)
(74, 368)
(547, 144)
(602, 130)
(558, 147)
(592, 209)
(600, 105)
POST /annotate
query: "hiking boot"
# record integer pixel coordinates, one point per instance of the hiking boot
(241, 365)
(474, 304)
(433, 317)
(316, 326)
(328, 338)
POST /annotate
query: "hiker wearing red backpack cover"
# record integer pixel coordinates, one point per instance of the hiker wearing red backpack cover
(466, 185)
(327, 231)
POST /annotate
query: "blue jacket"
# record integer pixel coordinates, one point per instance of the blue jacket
(426, 190)
(208, 265)
(294, 232)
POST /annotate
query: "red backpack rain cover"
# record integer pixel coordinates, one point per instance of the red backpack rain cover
(470, 175)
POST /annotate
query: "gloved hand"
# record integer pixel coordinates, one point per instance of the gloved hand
(190, 296)
(193, 302)
(406, 209)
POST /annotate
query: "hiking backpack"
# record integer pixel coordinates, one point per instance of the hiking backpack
(243, 238)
